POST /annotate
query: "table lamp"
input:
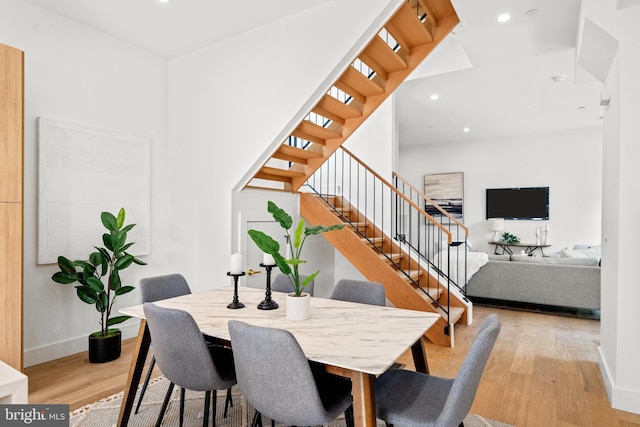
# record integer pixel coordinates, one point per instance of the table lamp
(496, 225)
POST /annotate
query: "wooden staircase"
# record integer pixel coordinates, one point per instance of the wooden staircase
(377, 257)
(416, 28)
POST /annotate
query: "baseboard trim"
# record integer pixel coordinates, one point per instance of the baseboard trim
(538, 308)
(622, 399)
(49, 352)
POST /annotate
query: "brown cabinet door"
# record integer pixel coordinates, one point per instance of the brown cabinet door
(11, 207)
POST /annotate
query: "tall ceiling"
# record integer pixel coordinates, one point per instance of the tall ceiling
(496, 79)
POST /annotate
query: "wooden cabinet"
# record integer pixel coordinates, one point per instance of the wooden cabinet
(11, 205)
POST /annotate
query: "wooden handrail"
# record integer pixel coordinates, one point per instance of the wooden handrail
(424, 196)
(405, 198)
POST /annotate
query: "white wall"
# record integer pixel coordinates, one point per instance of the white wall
(79, 75)
(619, 344)
(228, 103)
(569, 162)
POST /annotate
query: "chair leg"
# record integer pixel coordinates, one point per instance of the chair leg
(165, 404)
(214, 404)
(257, 420)
(228, 402)
(146, 383)
(207, 402)
(348, 416)
(182, 406)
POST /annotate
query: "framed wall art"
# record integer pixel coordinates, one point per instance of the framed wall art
(446, 190)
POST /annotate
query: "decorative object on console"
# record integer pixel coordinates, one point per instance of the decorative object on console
(267, 303)
(496, 225)
(537, 235)
(108, 261)
(269, 246)
(510, 239)
(546, 241)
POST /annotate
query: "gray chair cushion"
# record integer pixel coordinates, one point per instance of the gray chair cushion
(410, 398)
(162, 287)
(360, 291)
(282, 283)
(276, 379)
(181, 352)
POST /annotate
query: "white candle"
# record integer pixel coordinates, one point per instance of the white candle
(267, 259)
(546, 227)
(236, 264)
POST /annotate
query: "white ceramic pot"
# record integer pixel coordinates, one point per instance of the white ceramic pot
(298, 308)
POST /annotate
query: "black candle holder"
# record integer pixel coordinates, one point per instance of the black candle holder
(268, 303)
(236, 303)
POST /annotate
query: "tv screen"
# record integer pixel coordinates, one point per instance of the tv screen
(518, 203)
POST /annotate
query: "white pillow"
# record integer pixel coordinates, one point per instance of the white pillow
(579, 253)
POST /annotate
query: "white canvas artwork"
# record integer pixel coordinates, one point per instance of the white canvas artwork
(83, 171)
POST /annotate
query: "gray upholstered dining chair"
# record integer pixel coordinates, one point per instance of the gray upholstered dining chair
(281, 283)
(185, 359)
(276, 378)
(162, 287)
(155, 289)
(361, 291)
(417, 399)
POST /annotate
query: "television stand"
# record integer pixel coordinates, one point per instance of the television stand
(530, 248)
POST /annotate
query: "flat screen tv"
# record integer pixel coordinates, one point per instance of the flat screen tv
(518, 203)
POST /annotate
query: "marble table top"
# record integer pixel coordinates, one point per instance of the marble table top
(347, 335)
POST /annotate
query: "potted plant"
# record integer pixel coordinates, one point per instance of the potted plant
(290, 266)
(100, 283)
(510, 239)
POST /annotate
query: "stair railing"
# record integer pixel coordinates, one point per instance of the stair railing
(395, 226)
(459, 232)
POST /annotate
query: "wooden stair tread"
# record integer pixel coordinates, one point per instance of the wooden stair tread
(395, 257)
(433, 292)
(340, 109)
(455, 313)
(308, 128)
(287, 173)
(295, 154)
(407, 29)
(359, 82)
(380, 57)
(413, 274)
(372, 240)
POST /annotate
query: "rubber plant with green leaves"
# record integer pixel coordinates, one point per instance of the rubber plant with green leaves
(290, 266)
(99, 277)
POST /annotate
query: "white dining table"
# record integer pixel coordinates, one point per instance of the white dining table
(354, 340)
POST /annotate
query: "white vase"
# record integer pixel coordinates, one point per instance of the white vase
(298, 308)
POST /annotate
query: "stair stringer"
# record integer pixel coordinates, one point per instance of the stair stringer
(364, 259)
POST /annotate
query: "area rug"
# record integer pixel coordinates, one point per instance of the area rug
(104, 413)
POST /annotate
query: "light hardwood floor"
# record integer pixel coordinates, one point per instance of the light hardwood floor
(543, 372)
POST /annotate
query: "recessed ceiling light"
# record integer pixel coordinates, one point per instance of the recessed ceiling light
(504, 17)
(164, 1)
(433, 96)
(466, 130)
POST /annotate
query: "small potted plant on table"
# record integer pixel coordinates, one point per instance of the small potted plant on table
(290, 266)
(105, 263)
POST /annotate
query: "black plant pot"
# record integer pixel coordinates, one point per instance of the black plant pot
(105, 349)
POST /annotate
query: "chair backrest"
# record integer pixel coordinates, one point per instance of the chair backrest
(282, 283)
(274, 375)
(465, 385)
(157, 288)
(180, 350)
(361, 291)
